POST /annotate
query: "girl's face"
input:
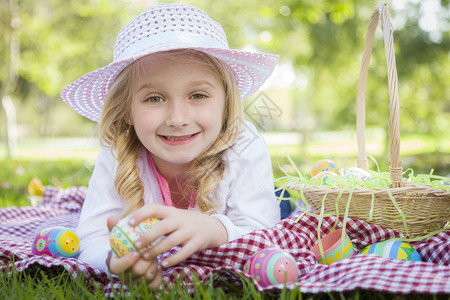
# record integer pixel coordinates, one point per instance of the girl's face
(177, 109)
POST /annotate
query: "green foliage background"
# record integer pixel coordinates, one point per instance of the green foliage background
(322, 39)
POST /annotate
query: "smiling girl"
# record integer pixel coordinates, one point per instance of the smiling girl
(175, 145)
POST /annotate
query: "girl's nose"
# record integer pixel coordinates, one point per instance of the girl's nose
(178, 114)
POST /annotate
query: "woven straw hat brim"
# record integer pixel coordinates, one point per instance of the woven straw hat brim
(160, 28)
(86, 95)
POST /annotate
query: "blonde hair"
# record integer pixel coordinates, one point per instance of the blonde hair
(116, 132)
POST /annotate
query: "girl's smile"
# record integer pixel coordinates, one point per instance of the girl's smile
(178, 140)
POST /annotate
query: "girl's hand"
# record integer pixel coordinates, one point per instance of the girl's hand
(191, 230)
(132, 267)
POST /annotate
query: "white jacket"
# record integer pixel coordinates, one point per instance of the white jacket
(245, 193)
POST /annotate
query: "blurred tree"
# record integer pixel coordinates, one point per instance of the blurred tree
(59, 41)
(323, 39)
(12, 22)
(424, 69)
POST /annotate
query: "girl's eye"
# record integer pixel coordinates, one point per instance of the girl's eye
(198, 96)
(154, 99)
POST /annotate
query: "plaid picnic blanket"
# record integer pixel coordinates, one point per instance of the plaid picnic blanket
(18, 225)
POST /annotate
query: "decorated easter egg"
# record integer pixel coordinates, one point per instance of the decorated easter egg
(35, 187)
(56, 242)
(123, 236)
(334, 248)
(322, 176)
(324, 165)
(271, 266)
(393, 249)
(354, 172)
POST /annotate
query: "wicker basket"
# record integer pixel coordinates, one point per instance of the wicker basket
(417, 208)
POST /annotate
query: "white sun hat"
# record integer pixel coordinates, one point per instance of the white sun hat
(160, 28)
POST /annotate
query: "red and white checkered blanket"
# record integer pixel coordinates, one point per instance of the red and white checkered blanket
(18, 225)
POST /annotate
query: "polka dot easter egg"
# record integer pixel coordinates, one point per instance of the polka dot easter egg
(393, 249)
(324, 165)
(56, 242)
(271, 266)
(123, 236)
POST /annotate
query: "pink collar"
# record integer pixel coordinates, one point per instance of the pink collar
(164, 186)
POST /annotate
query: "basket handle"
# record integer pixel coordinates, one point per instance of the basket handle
(381, 12)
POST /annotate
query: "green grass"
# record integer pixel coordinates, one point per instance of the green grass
(41, 283)
(16, 174)
(57, 283)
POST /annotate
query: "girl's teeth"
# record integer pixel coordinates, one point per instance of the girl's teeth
(176, 139)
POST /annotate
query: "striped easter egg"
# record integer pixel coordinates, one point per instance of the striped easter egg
(393, 249)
